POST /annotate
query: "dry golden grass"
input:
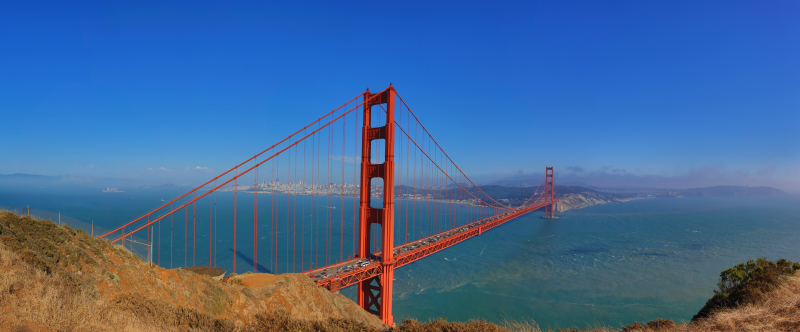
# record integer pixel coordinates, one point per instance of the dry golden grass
(437, 325)
(779, 311)
(31, 299)
(54, 278)
(281, 321)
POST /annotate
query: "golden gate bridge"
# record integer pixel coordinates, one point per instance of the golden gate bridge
(324, 213)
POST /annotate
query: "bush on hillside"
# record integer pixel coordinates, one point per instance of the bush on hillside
(747, 283)
(280, 320)
(657, 324)
(442, 325)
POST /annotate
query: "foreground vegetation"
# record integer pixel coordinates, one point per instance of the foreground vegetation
(57, 279)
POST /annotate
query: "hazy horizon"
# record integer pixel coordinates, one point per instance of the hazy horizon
(595, 180)
(671, 95)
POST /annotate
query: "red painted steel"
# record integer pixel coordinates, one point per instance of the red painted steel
(368, 294)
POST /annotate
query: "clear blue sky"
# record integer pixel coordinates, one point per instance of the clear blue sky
(674, 93)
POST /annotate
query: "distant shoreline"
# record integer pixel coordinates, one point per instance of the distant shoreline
(603, 202)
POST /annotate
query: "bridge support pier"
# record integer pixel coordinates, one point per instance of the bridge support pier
(369, 294)
(375, 294)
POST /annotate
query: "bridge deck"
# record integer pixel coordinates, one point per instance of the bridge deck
(347, 273)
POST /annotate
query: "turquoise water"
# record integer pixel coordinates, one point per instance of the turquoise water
(615, 263)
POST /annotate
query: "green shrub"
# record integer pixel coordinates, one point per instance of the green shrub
(216, 299)
(747, 283)
(69, 230)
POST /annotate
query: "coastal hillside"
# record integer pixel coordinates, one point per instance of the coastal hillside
(577, 197)
(573, 197)
(56, 278)
(584, 199)
(718, 191)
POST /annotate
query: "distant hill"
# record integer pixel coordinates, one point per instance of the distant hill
(28, 180)
(518, 182)
(27, 176)
(718, 191)
(730, 191)
(583, 196)
(518, 195)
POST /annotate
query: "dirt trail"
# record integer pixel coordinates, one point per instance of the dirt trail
(258, 280)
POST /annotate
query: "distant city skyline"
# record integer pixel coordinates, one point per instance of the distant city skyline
(629, 94)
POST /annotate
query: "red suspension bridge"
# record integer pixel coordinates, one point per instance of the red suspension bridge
(347, 199)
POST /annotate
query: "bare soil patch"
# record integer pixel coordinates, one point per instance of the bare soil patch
(209, 271)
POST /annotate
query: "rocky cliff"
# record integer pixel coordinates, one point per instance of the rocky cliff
(583, 199)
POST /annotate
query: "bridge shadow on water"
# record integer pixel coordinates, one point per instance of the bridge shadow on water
(249, 260)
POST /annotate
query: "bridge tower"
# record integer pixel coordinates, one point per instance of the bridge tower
(549, 188)
(375, 294)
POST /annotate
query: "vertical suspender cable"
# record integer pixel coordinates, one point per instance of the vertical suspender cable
(313, 191)
(355, 159)
(272, 195)
(235, 189)
(159, 242)
(215, 225)
(414, 208)
(171, 224)
(408, 157)
(185, 233)
(210, 222)
(303, 216)
(294, 215)
(255, 220)
(329, 229)
(194, 230)
(341, 197)
(319, 162)
(288, 178)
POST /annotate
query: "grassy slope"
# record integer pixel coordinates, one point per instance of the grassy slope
(55, 278)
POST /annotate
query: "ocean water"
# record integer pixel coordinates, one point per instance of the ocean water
(611, 264)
